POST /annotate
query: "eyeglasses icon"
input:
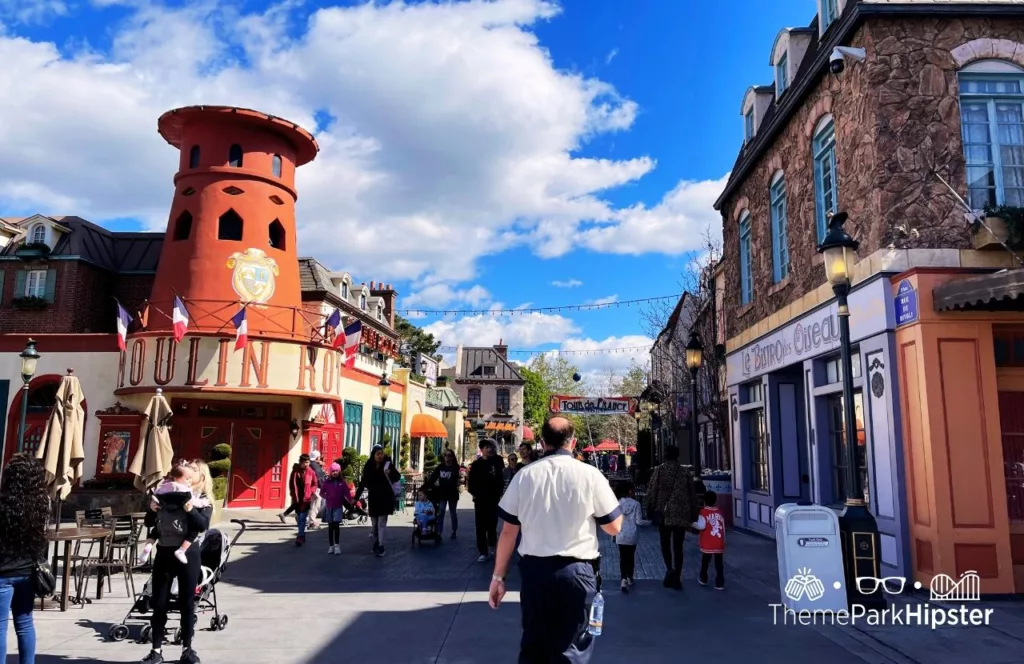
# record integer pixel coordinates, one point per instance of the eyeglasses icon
(891, 585)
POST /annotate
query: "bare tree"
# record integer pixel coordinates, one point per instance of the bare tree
(671, 326)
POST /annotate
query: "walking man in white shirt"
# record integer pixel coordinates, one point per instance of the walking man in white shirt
(558, 504)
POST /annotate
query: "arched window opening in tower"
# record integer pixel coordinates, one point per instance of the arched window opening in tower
(277, 235)
(235, 156)
(275, 165)
(183, 226)
(193, 157)
(230, 226)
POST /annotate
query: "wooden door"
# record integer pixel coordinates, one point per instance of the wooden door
(1011, 420)
(247, 472)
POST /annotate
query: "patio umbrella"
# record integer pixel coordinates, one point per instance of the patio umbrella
(527, 433)
(589, 448)
(61, 449)
(630, 450)
(154, 458)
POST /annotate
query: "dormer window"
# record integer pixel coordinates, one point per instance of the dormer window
(380, 312)
(829, 13)
(38, 234)
(748, 125)
(344, 290)
(781, 75)
(362, 302)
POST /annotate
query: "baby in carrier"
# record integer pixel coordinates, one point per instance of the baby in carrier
(172, 527)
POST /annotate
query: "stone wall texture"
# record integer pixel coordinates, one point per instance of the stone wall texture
(897, 124)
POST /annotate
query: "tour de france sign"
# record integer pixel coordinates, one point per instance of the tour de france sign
(593, 405)
(814, 334)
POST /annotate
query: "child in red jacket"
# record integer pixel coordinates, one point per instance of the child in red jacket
(711, 525)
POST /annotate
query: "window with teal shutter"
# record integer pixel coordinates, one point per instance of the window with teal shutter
(353, 425)
(780, 237)
(20, 279)
(826, 186)
(376, 432)
(50, 291)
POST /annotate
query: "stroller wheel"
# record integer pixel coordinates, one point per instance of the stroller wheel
(145, 634)
(223, 623)
(118, 632)
(214, 624)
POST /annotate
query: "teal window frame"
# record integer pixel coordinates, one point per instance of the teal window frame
(829, 13)
(993, 145)
(748, 125)
(780, 232)
(826, 176)
(746, 260)
(781, 75)
(353, 418)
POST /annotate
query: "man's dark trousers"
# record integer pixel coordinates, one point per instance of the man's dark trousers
(486, 516)
(555, 599)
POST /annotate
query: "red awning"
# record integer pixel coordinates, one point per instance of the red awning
(630, 450)
(608, 446)
(589, 448)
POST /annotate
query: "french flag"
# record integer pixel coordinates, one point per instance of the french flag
(353, 333)
(333, 323)
(123, 321)
(241, 329)
(179, 317)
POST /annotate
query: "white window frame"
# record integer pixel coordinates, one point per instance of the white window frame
(35, 287)
(38, 234)
(991, 71)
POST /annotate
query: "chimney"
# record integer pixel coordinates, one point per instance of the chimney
(380, 289)
(458, 362)
(501, 349)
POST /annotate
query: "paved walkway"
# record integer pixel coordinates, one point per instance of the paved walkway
(428, 605)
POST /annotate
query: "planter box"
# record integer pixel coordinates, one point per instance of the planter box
(987, 241)
(120, 501)
(32, 253)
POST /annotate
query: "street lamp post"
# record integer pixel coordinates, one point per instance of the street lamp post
(29, 359)
(857, 526)
(694, 358)
(384, 388)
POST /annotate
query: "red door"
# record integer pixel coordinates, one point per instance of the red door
(258, 477)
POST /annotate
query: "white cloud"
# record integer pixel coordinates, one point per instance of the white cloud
(611, 299)
(453, 136)
(596, 359)
(568, 283)
(441, 294)
(611, 56)
(517, 331)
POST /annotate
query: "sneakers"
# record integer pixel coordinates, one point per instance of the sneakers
(299, 541)
(152, 658)
(376, 548)
(282, 517)
(189, 656)
(719, 586)
(144, 554)
(625, 586)
(482, 559)
(702, 580)
(337, 549)
(182, 558)
(331, 549)
(380, 552)
(667, 582)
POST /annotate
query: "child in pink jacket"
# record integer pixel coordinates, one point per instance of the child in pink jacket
(336, 495)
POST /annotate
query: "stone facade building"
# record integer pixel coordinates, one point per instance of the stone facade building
(929, 93)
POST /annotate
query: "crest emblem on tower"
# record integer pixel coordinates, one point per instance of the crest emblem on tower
(253, 275)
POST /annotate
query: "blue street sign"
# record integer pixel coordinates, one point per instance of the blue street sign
(905, 303)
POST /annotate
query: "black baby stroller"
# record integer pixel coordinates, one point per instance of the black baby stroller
(356, 512)
(214, 551)
(428, 532)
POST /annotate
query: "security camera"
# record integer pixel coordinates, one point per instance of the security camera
(837, 61)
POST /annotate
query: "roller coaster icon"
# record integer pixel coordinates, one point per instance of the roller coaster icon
(945, 589)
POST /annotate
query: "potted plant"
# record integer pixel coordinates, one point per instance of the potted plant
(30, 303)
(32, 251)
(1002, 224)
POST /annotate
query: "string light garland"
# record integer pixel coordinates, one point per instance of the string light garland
(590, 351)
(536, 310)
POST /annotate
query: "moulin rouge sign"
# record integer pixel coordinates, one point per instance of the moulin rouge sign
(212, 363)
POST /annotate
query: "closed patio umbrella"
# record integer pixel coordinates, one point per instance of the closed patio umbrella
(154, 457)
(61, 449)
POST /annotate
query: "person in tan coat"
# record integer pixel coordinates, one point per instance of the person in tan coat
(672, 505)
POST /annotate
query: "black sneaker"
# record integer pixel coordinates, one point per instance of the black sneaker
(189, 656)
(376, 548)
(702, 580)
(380, 552)
(668, 579)
(152, 658)
(719, 586)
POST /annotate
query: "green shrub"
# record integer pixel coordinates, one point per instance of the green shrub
(350, 461)
(220, 451)
(220, 487)
(429, 458)
(220, 468)
(404, 451)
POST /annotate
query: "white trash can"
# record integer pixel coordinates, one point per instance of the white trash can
(810, 556)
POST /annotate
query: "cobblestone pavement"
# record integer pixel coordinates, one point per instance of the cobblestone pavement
(289, 605)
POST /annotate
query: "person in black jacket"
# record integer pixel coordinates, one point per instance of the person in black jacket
(379, 477)
(24, 508)
(445, 480)
(167, 568)
(485, 484)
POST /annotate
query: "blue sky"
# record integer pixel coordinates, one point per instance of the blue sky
(589, 115)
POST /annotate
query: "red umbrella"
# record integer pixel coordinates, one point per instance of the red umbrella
(630, 450)
(589, 448)
(608, 446)
(527, 433)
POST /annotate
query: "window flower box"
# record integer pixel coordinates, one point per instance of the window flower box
(32, 251)
(1002, 225)
(30, 303)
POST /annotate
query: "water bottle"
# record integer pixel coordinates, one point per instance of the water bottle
(596, 615)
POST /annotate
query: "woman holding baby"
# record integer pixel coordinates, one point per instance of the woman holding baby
(178, 517)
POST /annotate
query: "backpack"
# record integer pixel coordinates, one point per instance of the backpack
(171, 526)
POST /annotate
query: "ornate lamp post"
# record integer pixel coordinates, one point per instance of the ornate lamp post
(384, 389)
(694, 358)
(29, 359)
(857, 526)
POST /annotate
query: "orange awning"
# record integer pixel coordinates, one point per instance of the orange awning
(490, 426)
(427, 426)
